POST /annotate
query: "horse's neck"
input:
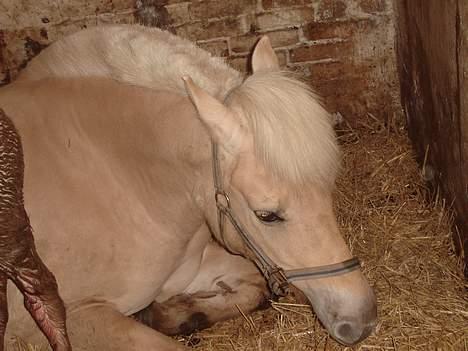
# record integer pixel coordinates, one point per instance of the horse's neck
(174, 145)
(182, 142)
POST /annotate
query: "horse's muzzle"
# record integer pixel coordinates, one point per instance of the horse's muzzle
(345, 305)
(351, 332)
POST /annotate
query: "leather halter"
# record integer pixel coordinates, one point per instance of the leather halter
(278, 279)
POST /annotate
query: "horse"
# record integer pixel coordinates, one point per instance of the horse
(19, 261)
(160, 181)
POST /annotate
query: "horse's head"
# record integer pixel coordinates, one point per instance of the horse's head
(279, 158)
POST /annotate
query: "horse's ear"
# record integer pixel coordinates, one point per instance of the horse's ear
(264, 57)
(220, 121)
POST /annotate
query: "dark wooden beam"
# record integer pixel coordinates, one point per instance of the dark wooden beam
(432, 55)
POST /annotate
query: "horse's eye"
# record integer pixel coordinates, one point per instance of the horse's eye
(268, 217)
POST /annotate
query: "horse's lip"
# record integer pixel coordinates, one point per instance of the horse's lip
(367, 330)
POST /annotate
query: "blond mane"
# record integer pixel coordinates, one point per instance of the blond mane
(136, 55)
(292, 131)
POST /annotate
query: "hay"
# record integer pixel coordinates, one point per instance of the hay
(402, 233)
(401, 230)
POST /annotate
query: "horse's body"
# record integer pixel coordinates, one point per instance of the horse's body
(119, 189)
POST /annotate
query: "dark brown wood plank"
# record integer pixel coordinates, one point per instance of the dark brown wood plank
(431, 48)
(463, 83)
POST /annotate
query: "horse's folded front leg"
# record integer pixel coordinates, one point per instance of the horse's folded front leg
(41, 297)
(225, 286)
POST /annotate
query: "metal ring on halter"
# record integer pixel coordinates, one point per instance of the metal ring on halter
(220, 193)
(277, 281)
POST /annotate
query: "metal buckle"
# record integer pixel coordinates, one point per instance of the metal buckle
(277, 281)
(222, 200)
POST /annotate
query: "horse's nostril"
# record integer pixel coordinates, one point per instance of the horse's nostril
(344, 330)
(349, 334)
(345, 333)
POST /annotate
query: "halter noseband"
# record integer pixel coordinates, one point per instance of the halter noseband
(278, 279)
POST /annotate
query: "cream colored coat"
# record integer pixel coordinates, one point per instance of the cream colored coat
(118, 185)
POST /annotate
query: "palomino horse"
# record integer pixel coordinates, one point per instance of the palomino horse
(128, 213)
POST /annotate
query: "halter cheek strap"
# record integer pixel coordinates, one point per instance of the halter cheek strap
(278, 279)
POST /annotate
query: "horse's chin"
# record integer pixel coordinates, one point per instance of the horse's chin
(348, 317)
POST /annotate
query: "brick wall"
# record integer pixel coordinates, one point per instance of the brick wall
(343, 48)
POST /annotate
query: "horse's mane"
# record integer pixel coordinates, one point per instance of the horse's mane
(292, 131)
(136, 55)
(293, 134)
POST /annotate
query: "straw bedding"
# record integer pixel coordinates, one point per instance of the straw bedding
(401, 230)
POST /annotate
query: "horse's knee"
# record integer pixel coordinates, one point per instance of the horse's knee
(186, 313)
(182, 315)
(197, 321)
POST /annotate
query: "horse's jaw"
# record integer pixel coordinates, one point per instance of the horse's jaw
(345, 305)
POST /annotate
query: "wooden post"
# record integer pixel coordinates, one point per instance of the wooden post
(432, 49)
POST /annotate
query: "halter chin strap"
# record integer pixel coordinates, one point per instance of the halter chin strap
(278, 279)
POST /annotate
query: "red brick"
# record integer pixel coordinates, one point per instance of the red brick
(322, 51)
(284, 18)
(113, 5)
(328, 30)
(329, 71)
(216, 48)
(279, 38)
(331, 9)
(27, 13)
(269, 4)
(283, 38)
(239, 63)
(215, 8)
(282, 57)
(244, 43)
(347, 95)
(372, 6)
(215, 29)
(81, 8)
(179, 13)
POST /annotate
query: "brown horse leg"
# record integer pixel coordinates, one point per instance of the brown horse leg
(18, 257)
(225, 285)
(97, 325)
(3, 308)
(41, 298)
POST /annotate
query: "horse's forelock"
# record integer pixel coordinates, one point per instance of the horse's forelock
(293, 133)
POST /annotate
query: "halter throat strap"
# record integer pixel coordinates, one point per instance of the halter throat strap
(278, 279)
